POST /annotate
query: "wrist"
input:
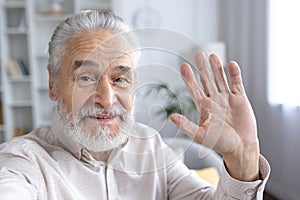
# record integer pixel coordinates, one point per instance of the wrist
(243, 165)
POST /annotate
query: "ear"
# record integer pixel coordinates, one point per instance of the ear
(52, 93)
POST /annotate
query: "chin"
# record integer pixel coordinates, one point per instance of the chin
(102, 137)
(95, 129)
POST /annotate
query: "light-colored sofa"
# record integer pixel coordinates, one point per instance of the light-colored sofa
(195, 155)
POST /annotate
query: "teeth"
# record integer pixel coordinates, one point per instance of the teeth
(104, 117)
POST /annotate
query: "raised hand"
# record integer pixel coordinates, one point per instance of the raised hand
(227, 123)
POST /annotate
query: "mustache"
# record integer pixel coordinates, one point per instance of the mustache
(94, 111)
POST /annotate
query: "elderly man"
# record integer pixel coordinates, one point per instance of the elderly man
(94, 149)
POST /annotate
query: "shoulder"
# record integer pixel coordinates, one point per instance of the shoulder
(20, 159)
(25, 148)
(22, 143)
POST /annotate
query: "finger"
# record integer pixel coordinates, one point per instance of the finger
(191, 85)
(219, 74)
(207, 134)
(236, 83)
(192, 130)
(206, 77)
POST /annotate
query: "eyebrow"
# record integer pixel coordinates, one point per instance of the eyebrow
(119, 68)
(79, 63)
(122, 68)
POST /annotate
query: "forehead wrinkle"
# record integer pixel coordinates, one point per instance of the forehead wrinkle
(81, 46)
(87, 42)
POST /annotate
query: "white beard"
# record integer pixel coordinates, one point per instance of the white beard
(98, 138)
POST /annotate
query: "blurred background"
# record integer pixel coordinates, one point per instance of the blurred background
(261, 35)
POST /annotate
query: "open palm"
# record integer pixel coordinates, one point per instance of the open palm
(227, 123)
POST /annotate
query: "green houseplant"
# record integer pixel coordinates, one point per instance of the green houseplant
(176, 101)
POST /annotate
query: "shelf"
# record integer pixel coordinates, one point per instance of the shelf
(16, 31)
(14, 4)
(21, 79)
(20, 104)
(25, 31)
(2, 127)
(2, 134)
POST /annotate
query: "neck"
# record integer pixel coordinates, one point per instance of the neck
(101, 156)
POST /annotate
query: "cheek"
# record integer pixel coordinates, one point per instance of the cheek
(73, 98)
(65, 97)
(126, 99)
(79, 99)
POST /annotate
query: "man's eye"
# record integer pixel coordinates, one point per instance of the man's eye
(121, 82)
(85, 78)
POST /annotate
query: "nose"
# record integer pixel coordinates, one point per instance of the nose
(104, 94)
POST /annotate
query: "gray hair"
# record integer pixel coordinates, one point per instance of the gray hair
(84, 21)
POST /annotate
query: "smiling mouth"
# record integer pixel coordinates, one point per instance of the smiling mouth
(103, 118)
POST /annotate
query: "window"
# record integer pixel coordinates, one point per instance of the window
(284, 52)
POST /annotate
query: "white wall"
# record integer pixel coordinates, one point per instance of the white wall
(177, 15)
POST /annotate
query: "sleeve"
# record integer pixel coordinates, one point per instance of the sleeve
(184, 184)
(14, 185)
(231, 188)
